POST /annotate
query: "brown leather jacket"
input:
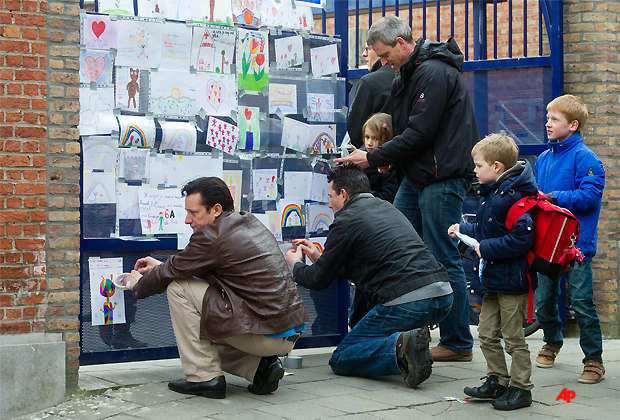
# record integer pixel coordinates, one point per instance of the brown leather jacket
(250, 286)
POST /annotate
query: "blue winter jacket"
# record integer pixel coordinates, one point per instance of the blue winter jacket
(504, 252)
(576, 177)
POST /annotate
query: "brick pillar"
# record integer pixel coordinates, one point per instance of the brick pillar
(63, 187)
(23, 118)
(592, 72)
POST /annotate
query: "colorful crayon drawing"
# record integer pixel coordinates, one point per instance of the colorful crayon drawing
(136, 131)
(99, 188)
(222, 135)
(321, 221)
(320, 215)
(173, 93)
(292, 216)
(216, 11)
(95, 67)
(117, 7)
(213, 49)
(319, 243)
(99, 152)
(99, 32)
(107, 290)
(246, 12)
(179, 136)
(133, 136)
(318, 246)
(217, 93)
(264, 184)
(323, 143)
(289, 51)
(252, 60)
(321, 107)
(233, 179)
(139, 43)
(249, 128)
(283, 97)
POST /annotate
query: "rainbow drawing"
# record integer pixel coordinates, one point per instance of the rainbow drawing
(324, 143)
(100, 144)
(292, 216)
(181, 140)
(95, 191)
(134, 136)
(318, 246)
(321, 221)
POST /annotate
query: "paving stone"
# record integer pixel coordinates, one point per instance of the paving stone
(350, 404)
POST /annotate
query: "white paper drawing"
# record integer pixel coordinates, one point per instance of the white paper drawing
(298, 185)
(320, 217)
(320, 188)
(95, 66)
(116, 7)
(324, 60)
(321, 107)
(99, 188)
(96, 111)
(165, 170)
(246, 12)
(283, 97)
(217, 93)
(222, 135)
(128, 88)
(99, 152)
(173, 93)
(161, 211)
(289, 51)
(319, 243)
(107, 302)
(264, 184)
(138, 43)
(136, 131)
(322, 138)
(302, 17)
(295, 135)
(153, 8)
(178, 136)
(216, 11)
(194, 167)
(128, 202)
(133, 164)
(99, 32)
(183, 10)
(233, 180)
(213, 49)
(176, 47)
(291, 213)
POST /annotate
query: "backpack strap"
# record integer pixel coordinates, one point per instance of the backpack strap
(520, 207)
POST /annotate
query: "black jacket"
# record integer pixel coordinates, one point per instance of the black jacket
(432, 116)
(372, 95)
(504, 252)
(378, 247)
(383, 186)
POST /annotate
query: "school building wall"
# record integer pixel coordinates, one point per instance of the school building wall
(40, 169)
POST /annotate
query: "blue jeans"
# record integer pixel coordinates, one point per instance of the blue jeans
(370, 348)
(582, 301)
(432, 212)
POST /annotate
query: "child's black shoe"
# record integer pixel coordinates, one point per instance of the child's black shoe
(489, 389)
(513, 399)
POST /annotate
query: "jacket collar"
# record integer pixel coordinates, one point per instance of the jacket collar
(564, 145)
(352, 200)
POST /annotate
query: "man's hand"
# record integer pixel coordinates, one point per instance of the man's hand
(307, 248)
(145, 264)
(294, 255)
(132, 279)
(358, 157)
(452, 229)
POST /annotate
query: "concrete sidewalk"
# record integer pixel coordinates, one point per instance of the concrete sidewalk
(139, 391)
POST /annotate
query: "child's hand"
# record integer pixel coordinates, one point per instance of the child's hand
(452, 229)
(477, 249)
(385, 169)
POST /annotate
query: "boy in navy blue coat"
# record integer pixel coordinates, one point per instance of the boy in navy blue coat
(572, 176)
(501, 278)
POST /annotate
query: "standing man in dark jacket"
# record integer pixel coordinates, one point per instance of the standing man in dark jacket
(378, 247)
(371, 97)
(435, 130)
(233, 303)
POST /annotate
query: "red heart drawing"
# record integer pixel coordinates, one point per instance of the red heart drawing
(98, 28)
(248, 114)
(215, 88)
(290, 47)
(93, 67)
(274, 11)
(333, 60)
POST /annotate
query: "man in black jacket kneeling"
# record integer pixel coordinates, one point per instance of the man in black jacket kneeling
(378, 247)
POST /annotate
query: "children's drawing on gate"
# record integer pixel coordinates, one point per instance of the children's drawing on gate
(252, 60)
(107, 302)
(213, 49)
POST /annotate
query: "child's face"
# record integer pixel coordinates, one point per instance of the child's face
(487, 173)
(371, 140)
(558, 127)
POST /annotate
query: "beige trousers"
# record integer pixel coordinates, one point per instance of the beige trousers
(505, 313)
(204, 360)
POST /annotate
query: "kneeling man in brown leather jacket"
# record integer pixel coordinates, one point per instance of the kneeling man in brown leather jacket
(233, 303)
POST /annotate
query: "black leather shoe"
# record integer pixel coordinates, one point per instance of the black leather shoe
(489, 389)
(215, 388)
(267, 376)
(413, 356)
(513, 399)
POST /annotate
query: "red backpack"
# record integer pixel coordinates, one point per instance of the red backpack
(556, 231)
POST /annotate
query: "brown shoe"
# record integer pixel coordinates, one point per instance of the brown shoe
(442, 354)
(592, 372)
(546, 357)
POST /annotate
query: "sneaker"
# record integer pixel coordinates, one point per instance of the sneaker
(546, 357)
(442, 354)
(489, 389)
(414, 359)
(592, 372)
(513, 399)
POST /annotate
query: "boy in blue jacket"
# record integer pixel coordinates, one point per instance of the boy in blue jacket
(572, 176)
(502, 278)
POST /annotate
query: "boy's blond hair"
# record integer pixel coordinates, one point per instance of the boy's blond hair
(572, 108)
(381, 125)
(497, 147)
